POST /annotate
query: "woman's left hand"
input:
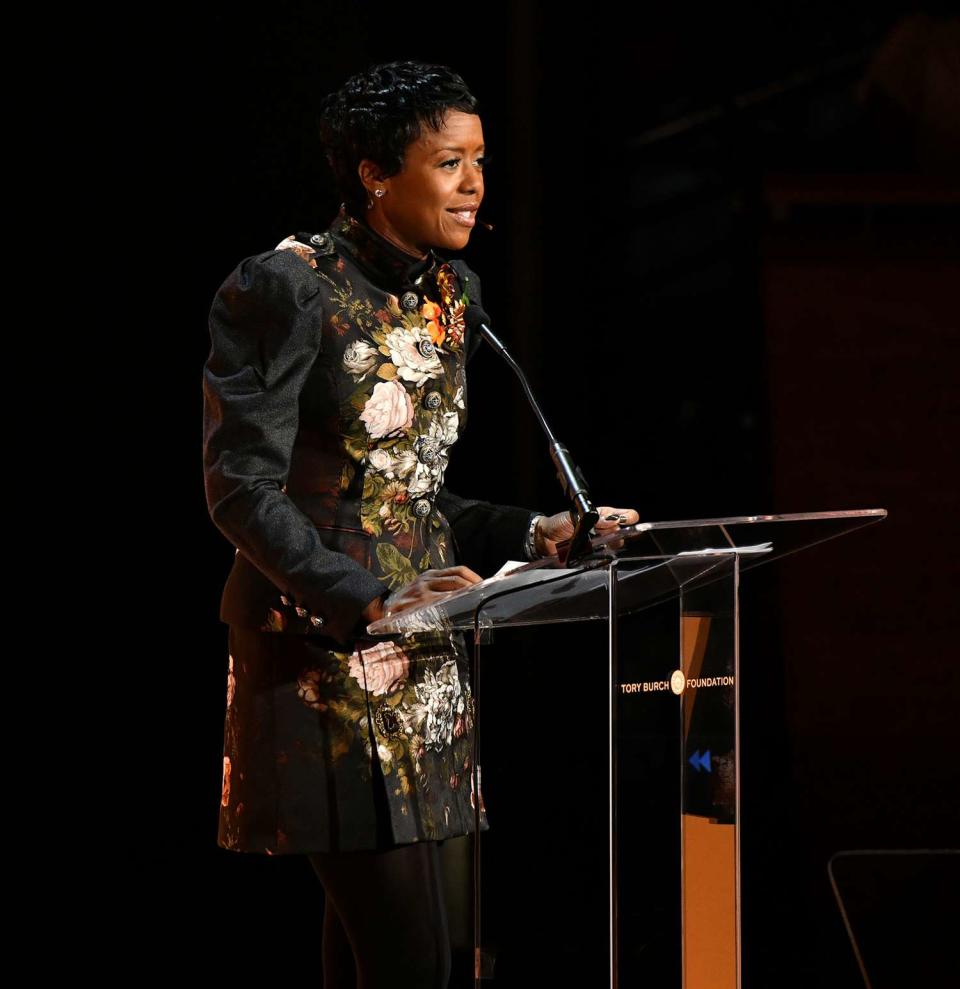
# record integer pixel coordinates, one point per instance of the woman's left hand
(555, 529)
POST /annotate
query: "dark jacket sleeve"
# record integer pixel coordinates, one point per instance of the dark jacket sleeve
(266, 331)
(485, 535)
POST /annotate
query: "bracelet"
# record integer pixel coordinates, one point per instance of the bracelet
(530, 540)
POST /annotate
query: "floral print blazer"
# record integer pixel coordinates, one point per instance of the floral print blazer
(334, 389)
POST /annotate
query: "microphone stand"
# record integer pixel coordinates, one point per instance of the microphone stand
(583, 514)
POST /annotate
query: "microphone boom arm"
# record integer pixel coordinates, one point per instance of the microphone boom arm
(583, 514)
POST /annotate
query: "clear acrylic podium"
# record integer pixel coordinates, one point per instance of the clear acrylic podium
(696, 564)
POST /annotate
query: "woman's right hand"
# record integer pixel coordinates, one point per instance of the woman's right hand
(428, 587)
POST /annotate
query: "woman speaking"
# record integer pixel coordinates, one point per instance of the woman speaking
(334, 390)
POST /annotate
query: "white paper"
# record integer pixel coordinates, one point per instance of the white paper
(506, 568)
(726, 550)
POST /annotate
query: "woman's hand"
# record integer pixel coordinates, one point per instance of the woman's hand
(555, 529)
(428, 587)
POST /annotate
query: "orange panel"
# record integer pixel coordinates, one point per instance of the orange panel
(709, 904)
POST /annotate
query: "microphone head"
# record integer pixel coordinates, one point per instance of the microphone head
(474, 315)
(478, 323)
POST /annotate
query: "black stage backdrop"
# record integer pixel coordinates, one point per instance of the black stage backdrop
(722, 249)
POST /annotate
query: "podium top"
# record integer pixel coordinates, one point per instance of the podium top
(651, 561)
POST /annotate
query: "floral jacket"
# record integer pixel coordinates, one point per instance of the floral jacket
(334, 389)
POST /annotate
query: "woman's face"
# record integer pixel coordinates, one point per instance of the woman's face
(432, 201)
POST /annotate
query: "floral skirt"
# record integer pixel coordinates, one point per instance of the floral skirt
(300, 773)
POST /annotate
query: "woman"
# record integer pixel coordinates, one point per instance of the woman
(334, 388)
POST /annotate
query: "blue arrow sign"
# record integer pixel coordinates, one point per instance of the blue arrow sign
(700, 762)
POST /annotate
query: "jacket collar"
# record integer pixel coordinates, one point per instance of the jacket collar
(389, 265)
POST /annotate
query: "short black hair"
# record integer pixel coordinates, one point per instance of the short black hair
(377, 113)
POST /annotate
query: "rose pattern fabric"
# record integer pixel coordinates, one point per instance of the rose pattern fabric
(406, 411)
(225, 786)
(388, 411)
(359, 359)
(411, 360)
(439, 700)
(231, 681)
(408, 406)
(380, 669)
(419, 692)
(401, 386)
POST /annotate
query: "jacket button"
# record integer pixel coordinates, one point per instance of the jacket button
(302, 612)
(409, 300)
(387, 720)
(427, 449)
(432, 400)
(316, 621)
(426, 348)
(421, 507)
(320, 239)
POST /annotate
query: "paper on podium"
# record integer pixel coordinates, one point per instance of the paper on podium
(723, 550)
(516, 573)
(515, 570)
(506, 568)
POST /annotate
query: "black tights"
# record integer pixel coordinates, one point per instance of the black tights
(385, 922)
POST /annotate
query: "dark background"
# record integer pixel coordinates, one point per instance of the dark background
(725, 251)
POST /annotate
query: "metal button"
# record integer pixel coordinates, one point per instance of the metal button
(427, 450)
(409, 300)
(432, 400)
(302, 612)
(387, 720)
(316, 621)
(320, 239)
(426, 348)
(421, 507)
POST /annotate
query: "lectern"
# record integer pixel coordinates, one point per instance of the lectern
(694, 566)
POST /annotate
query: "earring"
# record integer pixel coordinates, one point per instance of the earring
(380, 192)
